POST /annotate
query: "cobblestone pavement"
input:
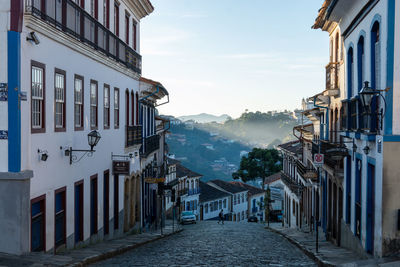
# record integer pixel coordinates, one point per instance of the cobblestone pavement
(210, 244)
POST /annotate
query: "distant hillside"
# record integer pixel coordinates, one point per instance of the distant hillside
(256, 129)
(213, 157)
(205, 118)
(215, 149)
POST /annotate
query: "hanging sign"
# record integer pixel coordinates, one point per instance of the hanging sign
(121, 167)
(318, 160)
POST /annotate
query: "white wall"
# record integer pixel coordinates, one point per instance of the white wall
(4, 26)
(242, 206)
(213, 214)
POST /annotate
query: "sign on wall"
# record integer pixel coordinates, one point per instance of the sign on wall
(3, 92)
(121, 167)
(3, 135)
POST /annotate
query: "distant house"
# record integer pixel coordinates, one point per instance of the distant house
(171, 180)
(212, 201)
(255, 199)
(188, 189)
(275, 184)
(238, 200)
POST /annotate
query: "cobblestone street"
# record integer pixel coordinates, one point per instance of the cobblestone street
(210, 244)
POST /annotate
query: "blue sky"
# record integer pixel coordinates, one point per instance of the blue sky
(225, 56)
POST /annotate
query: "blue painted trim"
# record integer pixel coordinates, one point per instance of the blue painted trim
(359, 156)
(368, 137)
(371, 160)
(391, 138)
(376, 18)
(14, 110)
(388, 129)
(360, 67)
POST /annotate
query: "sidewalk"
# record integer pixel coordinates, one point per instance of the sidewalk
(328, 254)
(90, 254)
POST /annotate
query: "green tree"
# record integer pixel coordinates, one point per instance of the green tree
(259, 163)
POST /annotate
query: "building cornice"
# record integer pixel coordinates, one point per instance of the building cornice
(56, 35)
(142, 8)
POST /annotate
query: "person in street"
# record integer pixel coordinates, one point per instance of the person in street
(221, 217)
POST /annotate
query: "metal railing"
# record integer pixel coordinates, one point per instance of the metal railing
(133, 135)
(194, 191)
(70, 18)
(303, 171)
(151, 144)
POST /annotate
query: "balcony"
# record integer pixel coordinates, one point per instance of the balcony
(194, 191)
(183, 192)
(133, 135)
(334, 154)
(71, 19)
(332, 79)
(291, 184)
(151, 144)
(306, 173)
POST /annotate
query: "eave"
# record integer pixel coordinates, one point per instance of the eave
(142, 8)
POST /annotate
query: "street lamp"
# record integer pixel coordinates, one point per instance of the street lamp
(93, 140)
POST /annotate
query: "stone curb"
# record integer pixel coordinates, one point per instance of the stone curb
(309, 253)
(118, 251)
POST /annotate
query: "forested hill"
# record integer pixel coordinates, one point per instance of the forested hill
(215, 149)
(256, 129)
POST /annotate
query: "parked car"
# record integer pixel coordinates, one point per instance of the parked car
(187, 217)
(252, 219)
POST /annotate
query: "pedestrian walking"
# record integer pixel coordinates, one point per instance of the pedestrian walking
(221, 217)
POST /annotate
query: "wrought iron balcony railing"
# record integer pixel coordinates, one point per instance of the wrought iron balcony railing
(133, 135)
(194, 191)
(70, 18)
(306, 173)
(150, 144)
(291, 184)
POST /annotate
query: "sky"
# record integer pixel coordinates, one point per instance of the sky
(226, 56)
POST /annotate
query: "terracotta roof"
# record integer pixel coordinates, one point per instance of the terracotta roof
(272, 178)
(227, 186)
(252, 189)
(209, 192)
(182, 171)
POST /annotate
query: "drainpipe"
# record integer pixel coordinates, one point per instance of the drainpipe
(143, 98)
(327, 117)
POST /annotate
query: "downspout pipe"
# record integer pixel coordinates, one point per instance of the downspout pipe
(144, 98)
(327, 117)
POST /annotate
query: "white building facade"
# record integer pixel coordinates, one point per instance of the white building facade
(74, 61)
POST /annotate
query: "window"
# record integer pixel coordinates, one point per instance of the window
(116, 19)
(350, 73)
(127, 28)
(38, 223)
(60, 217)
(238, 199)
(38, 97)
(132, 108)
(79, 100)
(116, 108)
(106, 106)
(93, 204)
(220, 204)
(93, 104)
(234, 200)
(134, 29)
(106, 13)
(224, 203)
(59, 99)
(206, 208)
(126, 107)
(242, 197)
(94, 8)
(360, 62)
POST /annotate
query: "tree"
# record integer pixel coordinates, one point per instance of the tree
(259, 163)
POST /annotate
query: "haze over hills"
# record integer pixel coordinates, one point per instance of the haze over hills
(205, 118)
(215, 149)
